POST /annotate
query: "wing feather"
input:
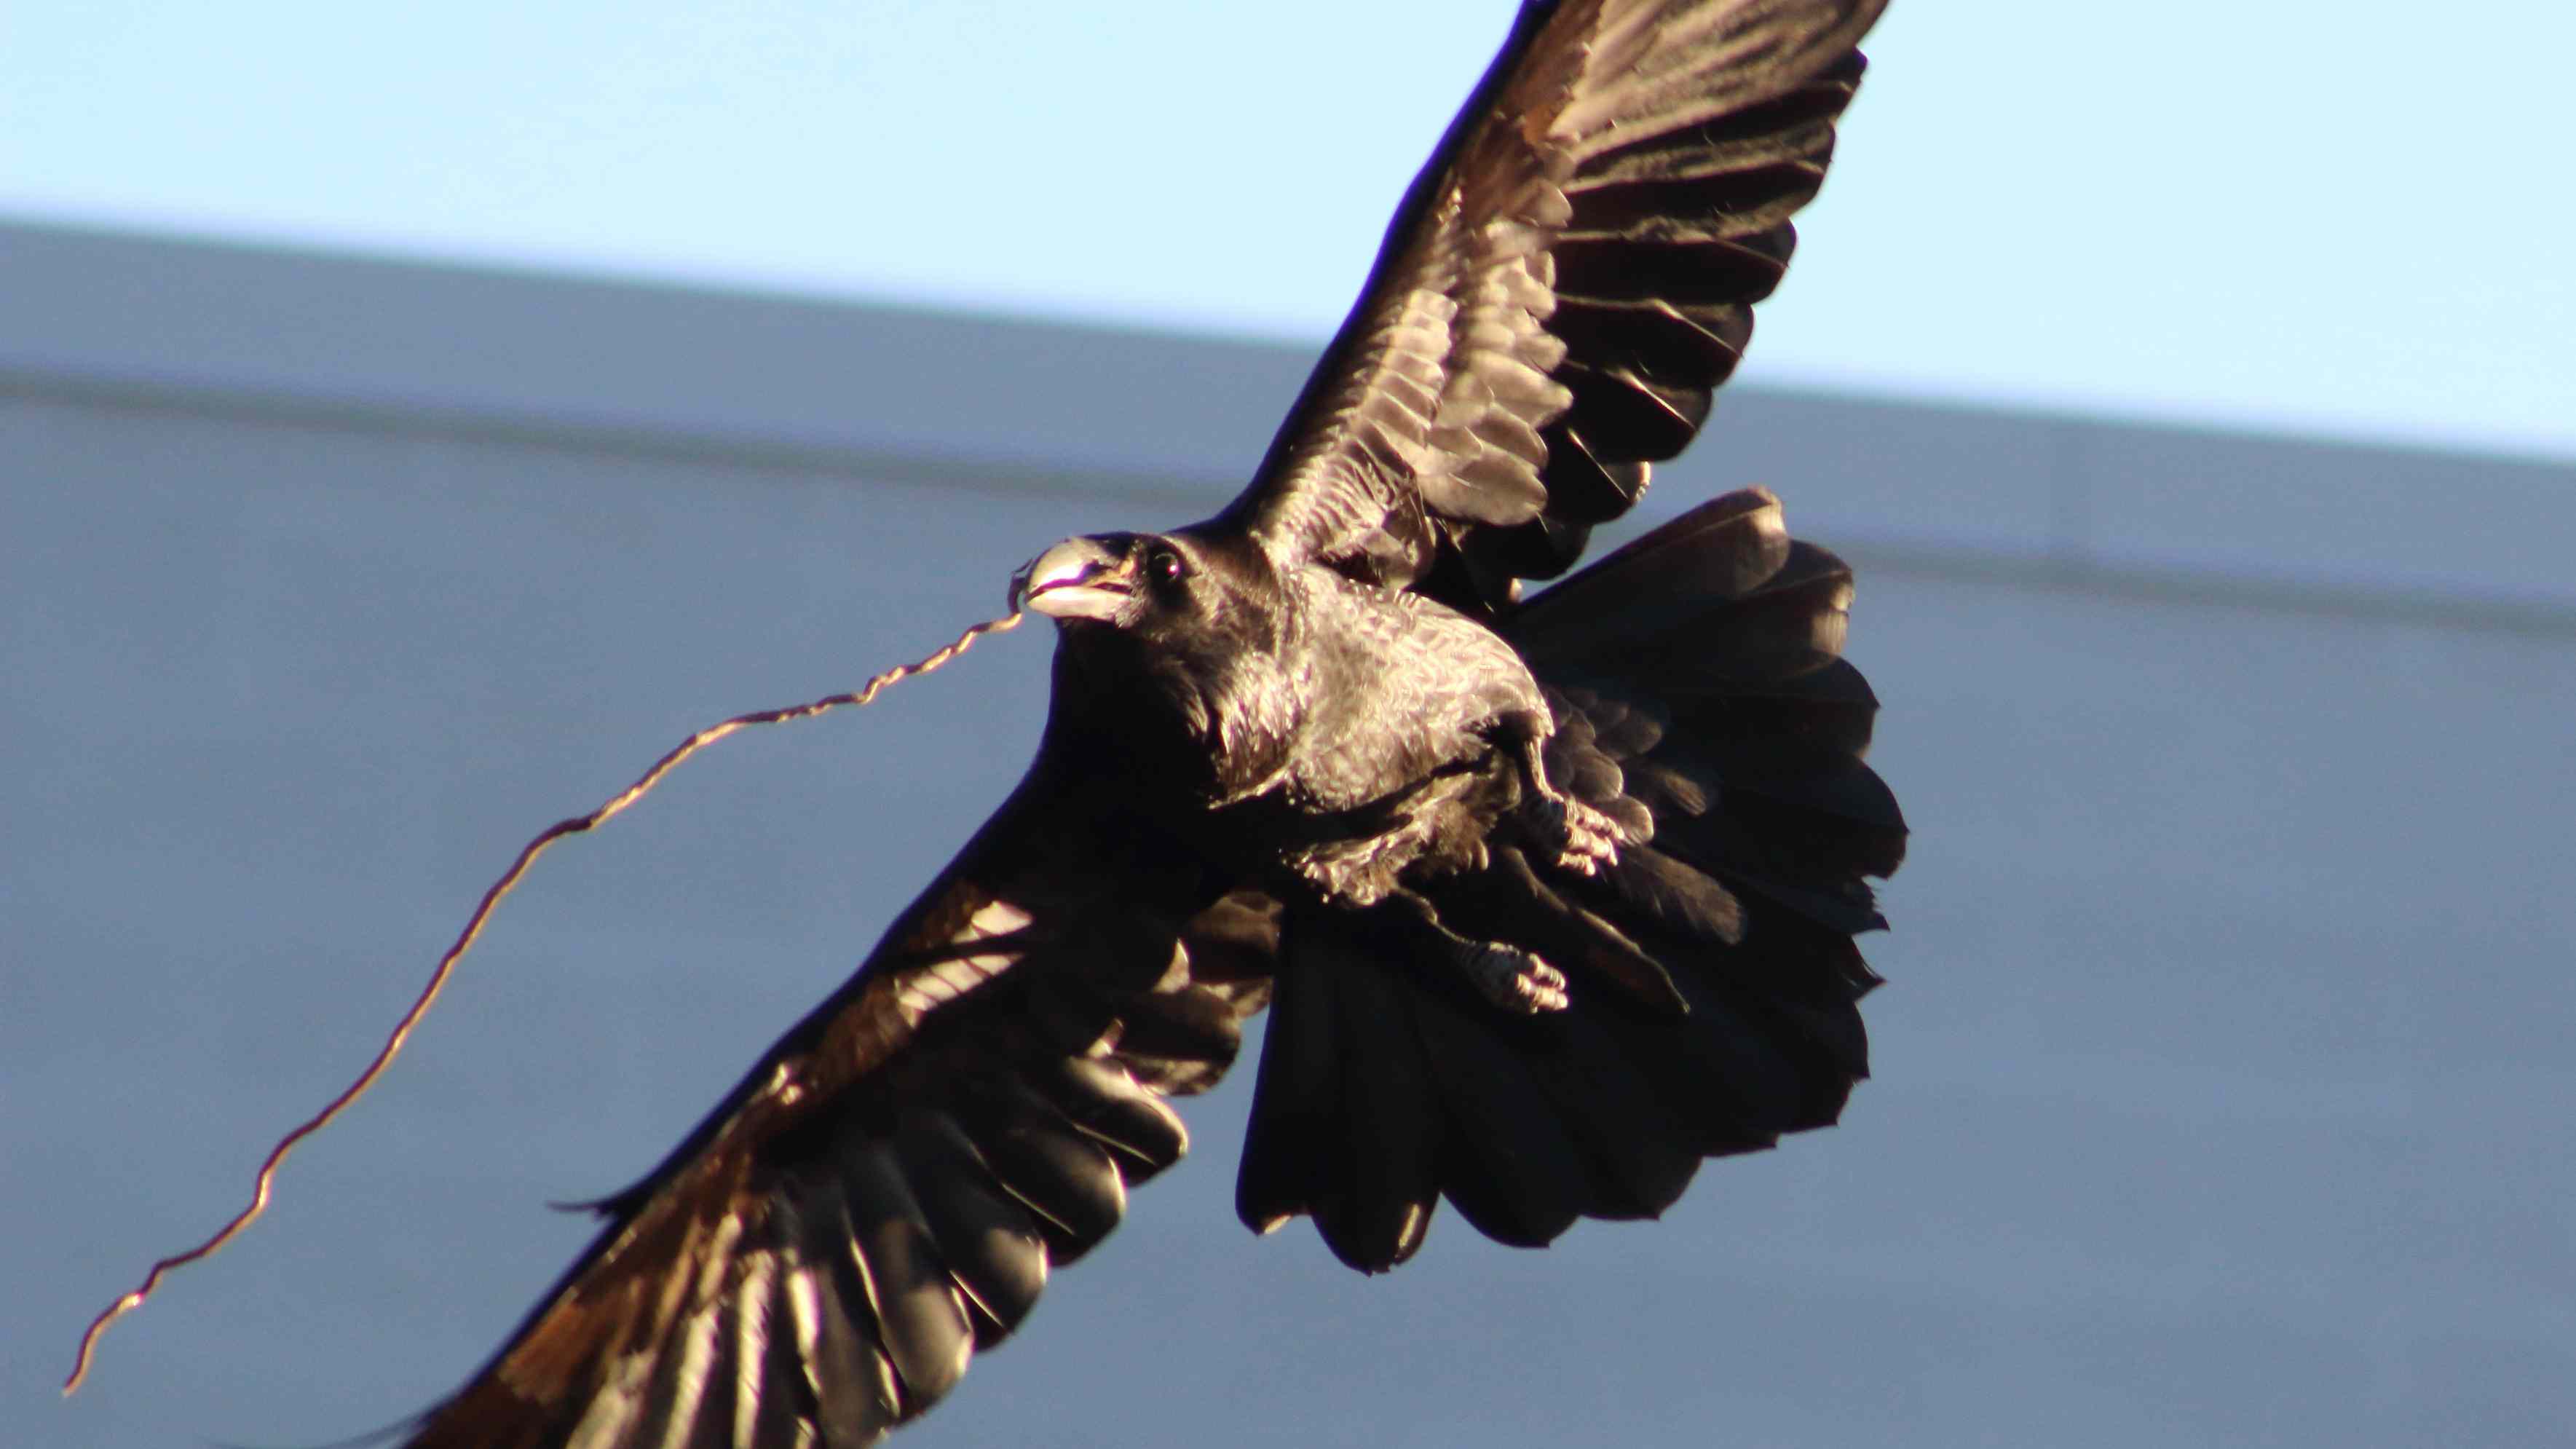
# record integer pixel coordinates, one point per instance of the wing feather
(1565, 285)
(888, 1190)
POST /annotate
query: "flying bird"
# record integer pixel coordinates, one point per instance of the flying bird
(1549, 897)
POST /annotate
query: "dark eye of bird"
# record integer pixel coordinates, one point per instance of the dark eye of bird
(1166, 567)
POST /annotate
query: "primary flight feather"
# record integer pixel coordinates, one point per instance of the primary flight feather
(1550, 899)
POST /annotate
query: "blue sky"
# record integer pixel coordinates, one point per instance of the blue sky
(2349, 220)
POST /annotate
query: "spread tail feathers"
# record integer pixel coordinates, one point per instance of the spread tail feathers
(1701, 703)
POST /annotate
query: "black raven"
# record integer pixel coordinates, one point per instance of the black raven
(1550, 898)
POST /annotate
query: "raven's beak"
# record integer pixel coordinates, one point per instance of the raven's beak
(1081, 578)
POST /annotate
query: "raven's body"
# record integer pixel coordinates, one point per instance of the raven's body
(1300, 727)
(1551, 899)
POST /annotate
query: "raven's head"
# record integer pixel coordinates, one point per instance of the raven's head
(1199, 622)
(1172, 591)
(1137, 582)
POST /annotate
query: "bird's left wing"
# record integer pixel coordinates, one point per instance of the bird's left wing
(887, 1190)
(1566, 283)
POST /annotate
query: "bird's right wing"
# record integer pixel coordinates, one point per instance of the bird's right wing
(888, 1188)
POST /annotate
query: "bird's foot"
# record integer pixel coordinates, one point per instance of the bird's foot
(1514, 979)
(1584, 839)
(1511, 978)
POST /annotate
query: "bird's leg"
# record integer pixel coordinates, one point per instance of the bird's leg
(1583, 838)
(1504, 974)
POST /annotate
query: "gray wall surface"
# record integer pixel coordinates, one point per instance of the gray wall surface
(2222, 1076)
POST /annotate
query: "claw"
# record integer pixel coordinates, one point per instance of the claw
(1585, 839)
(1516, 980)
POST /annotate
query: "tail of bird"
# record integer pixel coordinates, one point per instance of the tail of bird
(1701, 701)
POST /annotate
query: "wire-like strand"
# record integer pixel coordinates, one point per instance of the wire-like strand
(474, 927)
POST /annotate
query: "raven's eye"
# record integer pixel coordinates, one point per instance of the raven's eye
(1166, 566)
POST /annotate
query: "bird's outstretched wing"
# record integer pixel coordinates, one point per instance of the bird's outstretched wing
(887, 1190)
(1566, 283)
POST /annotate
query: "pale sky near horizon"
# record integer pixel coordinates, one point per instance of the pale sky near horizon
(2347, 222)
